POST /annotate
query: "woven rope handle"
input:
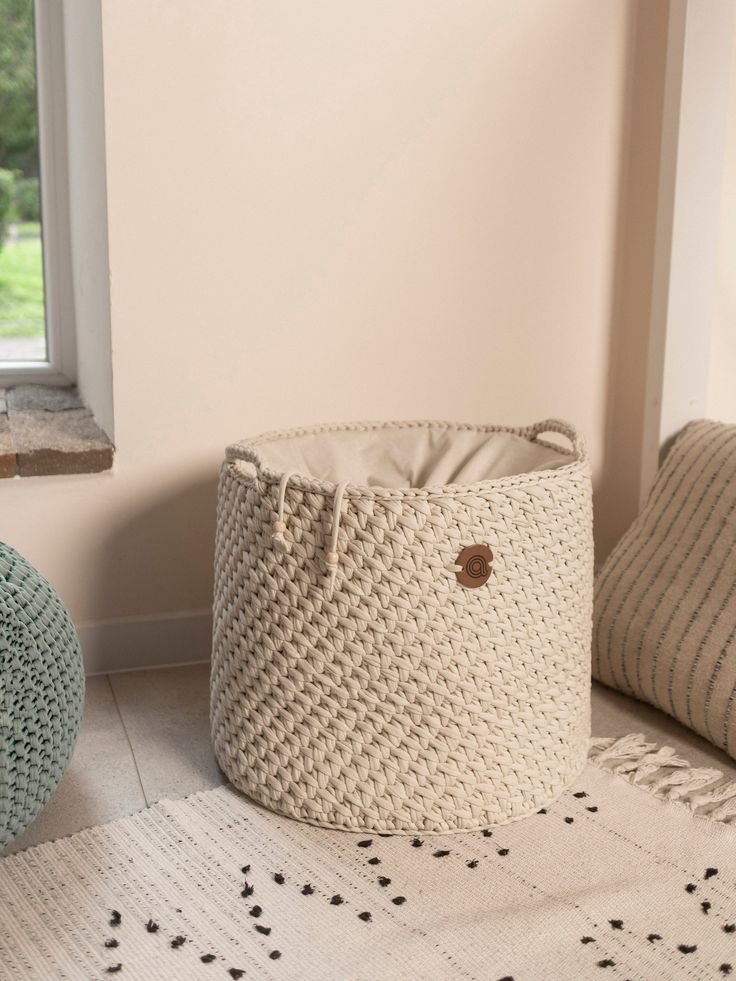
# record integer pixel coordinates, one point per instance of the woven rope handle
(564, 429)
(238, 455)
(246, 453)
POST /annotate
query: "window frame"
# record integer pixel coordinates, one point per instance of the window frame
(692, 155)
(59, 368)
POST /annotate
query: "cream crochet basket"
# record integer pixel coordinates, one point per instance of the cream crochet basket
(402, 623)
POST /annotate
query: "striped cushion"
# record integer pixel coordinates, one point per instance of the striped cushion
(665, 605)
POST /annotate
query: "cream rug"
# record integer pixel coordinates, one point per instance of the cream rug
(629, 875)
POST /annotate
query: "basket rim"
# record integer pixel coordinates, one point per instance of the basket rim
(246, 450)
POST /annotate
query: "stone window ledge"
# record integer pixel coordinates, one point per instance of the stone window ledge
(45, 430)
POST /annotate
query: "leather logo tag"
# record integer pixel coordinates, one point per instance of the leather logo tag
(476, 561)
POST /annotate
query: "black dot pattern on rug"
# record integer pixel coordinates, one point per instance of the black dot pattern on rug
(385, 834)
(593, 809)
(384, 881)
(579, 794)
(542, 810)
(245, 870)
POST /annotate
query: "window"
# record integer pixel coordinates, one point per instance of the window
(54, 268)
(36, 329)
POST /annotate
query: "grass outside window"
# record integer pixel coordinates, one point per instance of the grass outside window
(21, 282)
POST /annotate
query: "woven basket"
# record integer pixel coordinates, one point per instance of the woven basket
(402, 623)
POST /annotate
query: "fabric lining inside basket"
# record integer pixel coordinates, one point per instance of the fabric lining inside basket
(417, 456)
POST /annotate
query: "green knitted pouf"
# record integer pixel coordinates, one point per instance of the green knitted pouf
(41, 692)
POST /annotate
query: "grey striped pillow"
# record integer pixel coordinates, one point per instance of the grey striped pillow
(665, 602)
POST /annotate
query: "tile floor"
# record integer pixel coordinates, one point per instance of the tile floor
(145, 736)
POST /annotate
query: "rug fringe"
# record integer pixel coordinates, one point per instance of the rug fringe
(666, 775)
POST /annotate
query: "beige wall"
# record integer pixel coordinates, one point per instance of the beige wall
(722, 374)
(329, 210)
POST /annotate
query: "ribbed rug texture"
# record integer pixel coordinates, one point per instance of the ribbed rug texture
(631, 874)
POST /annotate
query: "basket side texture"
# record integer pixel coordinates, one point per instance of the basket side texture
(404, 702)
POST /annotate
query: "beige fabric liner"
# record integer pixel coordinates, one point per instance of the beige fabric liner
(419, 456)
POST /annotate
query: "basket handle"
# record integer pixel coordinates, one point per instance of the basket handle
(246, 453)
(564, 429)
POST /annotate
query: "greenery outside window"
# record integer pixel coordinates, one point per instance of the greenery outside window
(36, 332)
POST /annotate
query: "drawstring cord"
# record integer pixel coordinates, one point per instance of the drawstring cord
(281, 544)
(332, 558)
(279, 527)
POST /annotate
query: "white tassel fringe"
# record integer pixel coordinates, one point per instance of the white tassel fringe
(706, 792)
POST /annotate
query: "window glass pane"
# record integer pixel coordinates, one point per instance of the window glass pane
(22, 315)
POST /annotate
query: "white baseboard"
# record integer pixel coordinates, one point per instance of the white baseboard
(131, 643)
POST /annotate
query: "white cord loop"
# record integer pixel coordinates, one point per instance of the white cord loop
(332, 558)
(281, 544)
(279, 527)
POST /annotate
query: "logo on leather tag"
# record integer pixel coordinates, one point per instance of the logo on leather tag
(476, 562)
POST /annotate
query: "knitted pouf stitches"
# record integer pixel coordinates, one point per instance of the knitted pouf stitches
(356, 682)
(41, 692)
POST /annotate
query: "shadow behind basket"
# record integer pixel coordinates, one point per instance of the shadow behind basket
(360, 679)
